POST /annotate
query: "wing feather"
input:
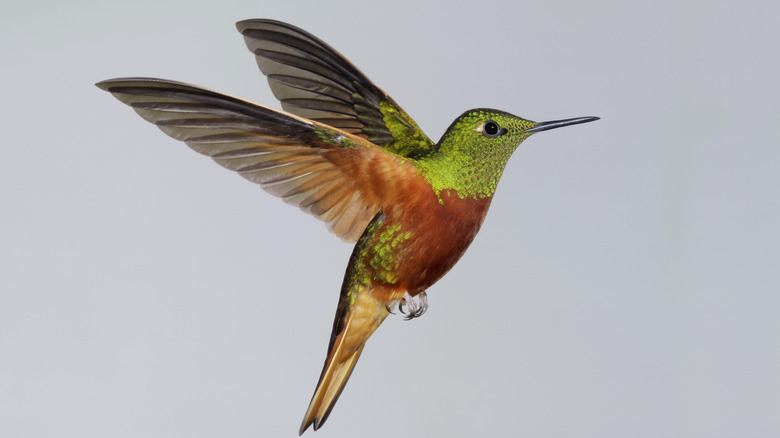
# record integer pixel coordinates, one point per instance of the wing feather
(313, 80)
(289, 157)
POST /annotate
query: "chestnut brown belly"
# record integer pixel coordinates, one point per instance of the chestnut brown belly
(423, 242)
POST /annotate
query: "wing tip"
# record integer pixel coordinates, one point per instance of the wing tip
(104, 84)
(107, 84)
(249, 23)
(244, 24)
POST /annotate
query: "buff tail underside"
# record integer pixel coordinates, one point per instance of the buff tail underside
(366, 315)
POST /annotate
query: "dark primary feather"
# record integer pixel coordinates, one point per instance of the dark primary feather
(289, 157)
(312, 80)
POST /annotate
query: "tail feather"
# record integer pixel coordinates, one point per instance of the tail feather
(365, 315)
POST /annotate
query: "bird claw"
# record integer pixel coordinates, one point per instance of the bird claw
(413, 306)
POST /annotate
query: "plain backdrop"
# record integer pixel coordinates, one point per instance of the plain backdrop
(625, 283)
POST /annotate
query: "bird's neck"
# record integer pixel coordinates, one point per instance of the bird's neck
(471, 172)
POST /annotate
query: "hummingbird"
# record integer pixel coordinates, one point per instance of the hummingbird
(345, 152)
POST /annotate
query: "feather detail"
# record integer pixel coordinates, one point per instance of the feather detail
(305, 163)
(313, 80)
(363, 317)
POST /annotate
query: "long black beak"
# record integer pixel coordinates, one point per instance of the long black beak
(544, 126)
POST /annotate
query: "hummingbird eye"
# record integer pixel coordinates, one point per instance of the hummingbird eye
(491, 129)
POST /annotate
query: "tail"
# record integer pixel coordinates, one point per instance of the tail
(353, 326)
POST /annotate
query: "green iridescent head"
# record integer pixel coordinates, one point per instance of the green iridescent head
(472, 153)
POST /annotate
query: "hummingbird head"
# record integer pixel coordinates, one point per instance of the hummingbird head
(490, 133)
(472, 153)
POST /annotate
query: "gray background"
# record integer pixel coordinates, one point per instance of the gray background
(625, 282)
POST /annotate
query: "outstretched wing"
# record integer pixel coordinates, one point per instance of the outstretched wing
(307, 164)
(314, 81)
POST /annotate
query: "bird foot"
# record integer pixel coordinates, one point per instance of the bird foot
(413, 306)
